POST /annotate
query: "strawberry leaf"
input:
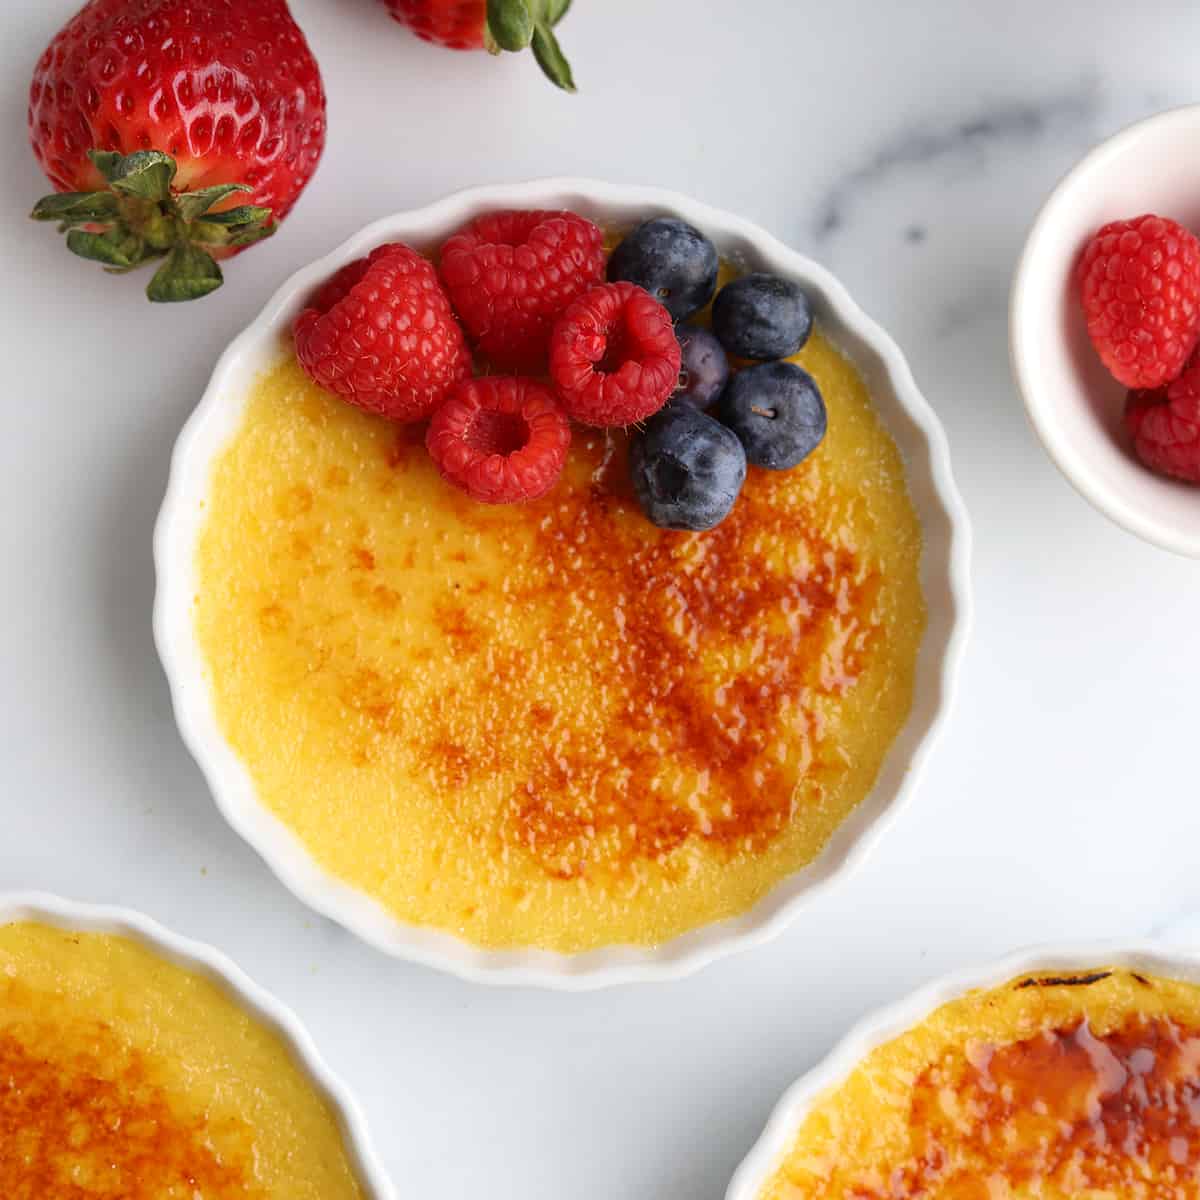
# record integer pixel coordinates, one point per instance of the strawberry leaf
(187, 274)
(106, 162)
(118, 250)
(76, 208)
(146, 174)
(510, 23)
(551, 58)
(191, 205)
(249, 234)
(246, 214)
(553, 11)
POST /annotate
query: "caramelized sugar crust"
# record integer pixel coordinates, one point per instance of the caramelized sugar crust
(552, 723)
(716, 652)
(126, 1077)
(1061, 1088)
(82, 1116)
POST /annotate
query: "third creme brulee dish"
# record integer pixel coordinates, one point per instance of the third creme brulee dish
(1071, 1085)
(547, 600)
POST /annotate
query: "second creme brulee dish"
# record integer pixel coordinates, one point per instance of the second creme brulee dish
(552, 725)
(1055, 1084)
(125, 1074)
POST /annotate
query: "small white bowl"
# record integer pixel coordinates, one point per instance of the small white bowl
(769, 1151)
(204, 960)
(1074, 404)
(945, 577)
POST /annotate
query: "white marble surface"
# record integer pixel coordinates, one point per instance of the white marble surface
(906, 146)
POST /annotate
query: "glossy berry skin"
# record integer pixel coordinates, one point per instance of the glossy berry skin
(381, 335)
(1139, 283)
(777, 412)
(455, 24)
(227, 88)
(503, 25)
(510, 274)
(501, 440)
(614, 359)
(762, 316)
(672, 260)
(1164, 425)
(687, 469)
(703, 367)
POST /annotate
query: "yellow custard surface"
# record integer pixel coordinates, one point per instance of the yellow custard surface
(126, 1077)
(553, 724)
(1082, 1086)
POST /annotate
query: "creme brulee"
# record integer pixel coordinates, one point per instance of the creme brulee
(554, 724)
(123, 1075)
(1084, 1087)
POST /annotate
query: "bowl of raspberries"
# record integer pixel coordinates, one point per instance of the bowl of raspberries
(1105, 329)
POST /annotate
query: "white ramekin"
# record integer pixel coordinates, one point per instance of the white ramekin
(195, 956)
(945, 576)
(1073, 403)
(764, 1159)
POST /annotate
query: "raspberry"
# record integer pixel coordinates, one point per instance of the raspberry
(510, 274)
(1140, 285)
(381, 335)
(613, 356)
(500, 439)
(1165, 426)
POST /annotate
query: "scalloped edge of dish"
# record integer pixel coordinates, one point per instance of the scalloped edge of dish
(945, 573)
(882, 1025)
(49, 909)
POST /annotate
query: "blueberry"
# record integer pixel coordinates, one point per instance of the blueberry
(762, 316)
(703, 367)
(687, 468)
(777, 412)
(672, 260)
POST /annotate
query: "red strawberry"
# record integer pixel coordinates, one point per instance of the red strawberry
(500, 439)
(510, 274)
(150, 116)
(381, 335)
(1139, 283)
(492, 24)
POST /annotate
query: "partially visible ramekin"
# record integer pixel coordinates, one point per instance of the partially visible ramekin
(1074, 404)
(769, 1151)
(945, 578)
(204, 960)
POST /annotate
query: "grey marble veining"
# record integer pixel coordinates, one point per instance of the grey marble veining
(905, 146)
(963, 140)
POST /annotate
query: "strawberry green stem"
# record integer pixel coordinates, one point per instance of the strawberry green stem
(140, 218)
(520, 24)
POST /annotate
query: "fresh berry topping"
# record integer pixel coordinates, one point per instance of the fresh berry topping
(672, 260)
(762, 316)
(175, 130)
(703, 367)
(455, 24)
(1140, 286)
(494, 24)
(613, 356)
(687, 469)
(777, 412)
(1164, 424)
(381, 335)
(500, 439)
(510, 274)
